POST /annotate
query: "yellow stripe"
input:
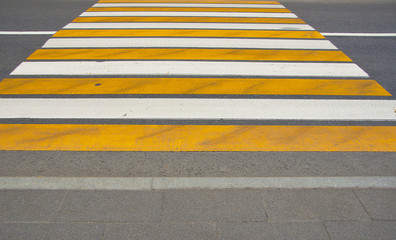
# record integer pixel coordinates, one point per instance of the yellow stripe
(191, 54)
(179, 9)
(189, 1)
(189, 19)
(187, 33)
(67, 137)
(191, 86)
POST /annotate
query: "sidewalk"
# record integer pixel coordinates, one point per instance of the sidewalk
(199, 214)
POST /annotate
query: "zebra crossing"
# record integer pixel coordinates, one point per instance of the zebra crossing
(191, 62)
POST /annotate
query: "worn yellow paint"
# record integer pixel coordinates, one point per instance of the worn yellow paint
(191, 86)
(191, 54)
(189, 19)
(191, 9)
(186, 33)
(189, 1)
(70, 137)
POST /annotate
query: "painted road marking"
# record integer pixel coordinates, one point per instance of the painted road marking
(190, 108)
(187, 33)
(189, 68)
(189, 14)
(215, 86)
(359, 34)
(188, 43)
(236, 58)
(166, 183)
(241, 26)
(190, 54)
(189, 19)
(27, 32)
(85, 137)
(195, 9)
(188, 5)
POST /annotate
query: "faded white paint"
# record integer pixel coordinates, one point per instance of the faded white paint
(359, 34)
(162, 25)
(188, 43)
(27, 32)
(190, 108)
(190, 68)
(166, 183)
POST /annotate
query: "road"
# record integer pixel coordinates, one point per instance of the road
(324, 143)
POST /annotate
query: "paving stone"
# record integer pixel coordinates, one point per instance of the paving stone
(108, 206)
(239, 205)
(279, 231)
(152, 231)
(18, 231)
(29, 206)
(312, 205)
(379, 203)
(189, 206)
(210, 205)
(362, 230)
(51, 231)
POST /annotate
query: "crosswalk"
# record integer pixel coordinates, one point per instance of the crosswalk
(202, 65)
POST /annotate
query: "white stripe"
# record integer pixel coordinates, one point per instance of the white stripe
(188, 5)
(162, 25)
(190, 68)
(188, 14)
(164, 183)
(27, 32)
(187, 43)
(359, 34)
(186, 108)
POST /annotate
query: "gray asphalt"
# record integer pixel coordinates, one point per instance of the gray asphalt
(32, 15)
(376, 56)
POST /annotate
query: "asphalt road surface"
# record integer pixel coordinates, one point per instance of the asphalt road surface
(373, 54)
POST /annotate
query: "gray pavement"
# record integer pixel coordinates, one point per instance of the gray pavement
(202, 214)
(199, 214)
